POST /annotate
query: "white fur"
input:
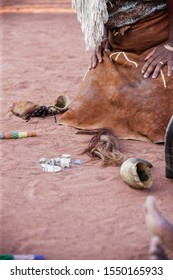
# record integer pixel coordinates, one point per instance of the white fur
(92, 14)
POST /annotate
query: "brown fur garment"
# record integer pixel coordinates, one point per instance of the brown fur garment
(115, 94)
(104, 145)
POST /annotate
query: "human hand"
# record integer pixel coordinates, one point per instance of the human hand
(97, 55)
(155, 60)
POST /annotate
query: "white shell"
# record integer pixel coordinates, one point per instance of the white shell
(50, 168)
(57, 160)
(66, 156)
(65, 162)
(42, 160)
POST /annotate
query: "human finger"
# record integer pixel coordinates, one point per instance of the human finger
(99, 55)
(150, 54)
(157, 69)
(107, 47)
(94, 61)
(151, 67)
(147, 64)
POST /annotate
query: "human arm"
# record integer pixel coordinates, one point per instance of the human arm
(160, 55)
(97, 54)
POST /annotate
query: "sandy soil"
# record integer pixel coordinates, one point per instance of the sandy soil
(85, 212)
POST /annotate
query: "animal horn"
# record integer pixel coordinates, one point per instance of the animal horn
(159, 226)
(136, 173)
(169, 150)
(62, 103)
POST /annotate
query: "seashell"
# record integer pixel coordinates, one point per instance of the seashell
(57, 161)
(62, 103)
(169, 150)
(136, 173)
(65, 162)
(42, 160)
(50, 168)
(66, 156)
(52, 161)
(159, 226)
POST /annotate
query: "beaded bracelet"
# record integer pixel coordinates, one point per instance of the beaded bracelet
(168, 47)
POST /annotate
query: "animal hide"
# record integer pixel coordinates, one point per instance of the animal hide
(104, 145)
(27, 109)
(23, 109)
(116, 95)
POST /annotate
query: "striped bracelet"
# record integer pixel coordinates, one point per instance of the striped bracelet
(168, 47)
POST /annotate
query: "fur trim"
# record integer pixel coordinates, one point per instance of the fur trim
(92, 14)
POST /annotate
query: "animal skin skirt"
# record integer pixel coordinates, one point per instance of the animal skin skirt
(116, 95)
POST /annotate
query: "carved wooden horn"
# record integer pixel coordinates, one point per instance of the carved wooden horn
(169, 150)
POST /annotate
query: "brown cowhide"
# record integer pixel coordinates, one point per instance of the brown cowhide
(115, 94)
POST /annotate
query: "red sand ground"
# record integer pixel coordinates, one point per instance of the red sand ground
(86, 212)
